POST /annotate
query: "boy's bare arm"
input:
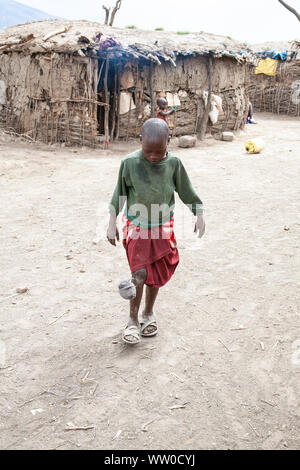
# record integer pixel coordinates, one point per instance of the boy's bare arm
(165, 113)
(112, 231)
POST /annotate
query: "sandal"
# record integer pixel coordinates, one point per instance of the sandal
(150, 321)
(131, 331)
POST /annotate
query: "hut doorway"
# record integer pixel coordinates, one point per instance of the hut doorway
(108, 93)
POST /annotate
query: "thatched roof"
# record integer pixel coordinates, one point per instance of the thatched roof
(87, 38)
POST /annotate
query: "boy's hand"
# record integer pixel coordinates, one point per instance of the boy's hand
(200, 226)
(113, 232)
(112, 235)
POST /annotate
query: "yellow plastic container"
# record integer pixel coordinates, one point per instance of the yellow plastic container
(255, 146)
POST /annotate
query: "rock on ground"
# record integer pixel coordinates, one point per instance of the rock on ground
(187, 141)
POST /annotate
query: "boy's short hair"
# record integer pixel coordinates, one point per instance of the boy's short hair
(155, 129)
(162, 100)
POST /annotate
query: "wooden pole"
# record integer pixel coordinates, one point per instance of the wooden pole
(175, 125)
(137, 99)
(204, 120)
(151, 90)
(106, 111)
(114, 107)
(118, 101)
(197, 115)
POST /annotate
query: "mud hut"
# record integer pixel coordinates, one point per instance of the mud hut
(82, 83)
(278, 93)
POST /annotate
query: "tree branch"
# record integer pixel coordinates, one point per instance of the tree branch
(291, 9)
(107, 11)
(113, 14)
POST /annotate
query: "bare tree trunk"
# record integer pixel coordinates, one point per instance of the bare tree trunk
(291, 9)
(107, 11)
(113, 14)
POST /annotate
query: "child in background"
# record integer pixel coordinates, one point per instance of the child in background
(147, 181)
(250, 118)
(162, 112)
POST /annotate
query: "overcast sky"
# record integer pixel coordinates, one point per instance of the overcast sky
(247, 20)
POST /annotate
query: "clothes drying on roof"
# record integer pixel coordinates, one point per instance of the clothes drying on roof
(267, 67)
(278, 55)
(274, 55)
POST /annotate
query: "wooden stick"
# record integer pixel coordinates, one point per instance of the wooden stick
(254, 430)
(55, 33)
(114, 106)
(128, 121)
(137, 113)
(99, 103)
(177, 378)
(197, 115)
(52, 323)
(204, 120)
(100, 73)
(145, 426)
(224, 346)
(83, 428)
(179, 407)
(151, 90)
(268, 403)
(106, 115)
(12, 42)
(175, 125)
(118, 103)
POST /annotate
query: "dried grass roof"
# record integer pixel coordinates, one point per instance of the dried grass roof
(80, 37)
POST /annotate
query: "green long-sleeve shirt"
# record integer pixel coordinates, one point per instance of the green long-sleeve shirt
(148, 189)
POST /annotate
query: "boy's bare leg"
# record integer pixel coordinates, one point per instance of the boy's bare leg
(135, 306)
(138, 279)
(151, 296)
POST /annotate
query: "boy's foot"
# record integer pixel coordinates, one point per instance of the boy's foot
(149, 326)
(127, 290)
(131, 335)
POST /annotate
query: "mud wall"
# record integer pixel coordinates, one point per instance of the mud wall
(50, 98)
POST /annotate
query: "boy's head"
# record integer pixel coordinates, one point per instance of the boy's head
(162, 103)
(155, 139)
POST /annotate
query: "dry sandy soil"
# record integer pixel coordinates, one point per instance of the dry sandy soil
(224, 371)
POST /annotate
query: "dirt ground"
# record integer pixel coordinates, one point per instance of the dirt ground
(224, 371)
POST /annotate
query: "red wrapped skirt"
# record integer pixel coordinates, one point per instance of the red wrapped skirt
(154, 249)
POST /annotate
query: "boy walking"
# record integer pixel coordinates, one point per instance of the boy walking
(147, 181)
